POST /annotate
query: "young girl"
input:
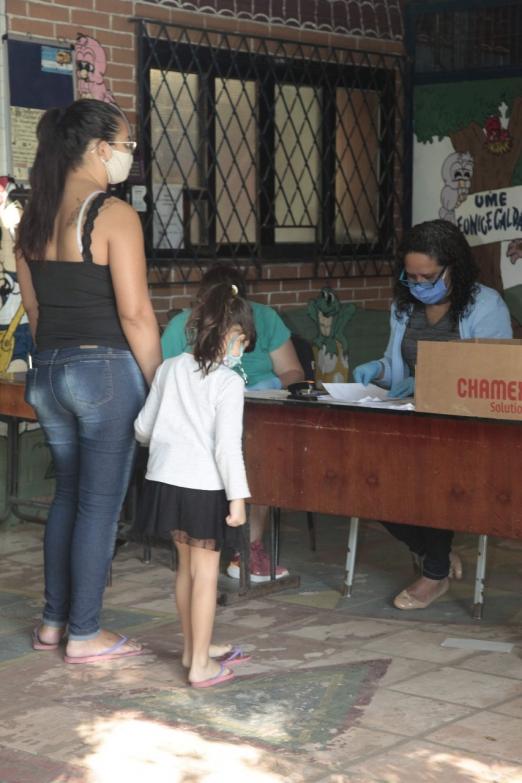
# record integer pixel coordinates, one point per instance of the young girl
(196, 484)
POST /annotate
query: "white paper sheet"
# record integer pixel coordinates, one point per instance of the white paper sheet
(355, 392)
(370, 396)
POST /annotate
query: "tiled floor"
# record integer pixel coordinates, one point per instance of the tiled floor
(338, 690)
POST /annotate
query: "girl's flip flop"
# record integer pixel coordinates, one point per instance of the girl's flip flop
(235, 655)
(223, 676)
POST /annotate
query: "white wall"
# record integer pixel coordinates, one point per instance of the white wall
(427, 179)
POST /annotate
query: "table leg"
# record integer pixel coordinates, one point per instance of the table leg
(14, 504)
(480, 577)
(11, 458)
(350, 556)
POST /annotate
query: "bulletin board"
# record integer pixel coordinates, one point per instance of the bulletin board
(41, 76)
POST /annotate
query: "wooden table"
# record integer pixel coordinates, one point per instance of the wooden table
(450, 472)
(401, 466)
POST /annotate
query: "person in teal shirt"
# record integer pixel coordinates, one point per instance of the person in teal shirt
(273, 364)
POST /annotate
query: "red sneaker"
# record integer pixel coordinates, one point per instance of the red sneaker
(259, 565)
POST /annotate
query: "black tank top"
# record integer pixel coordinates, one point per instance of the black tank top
(76, 301)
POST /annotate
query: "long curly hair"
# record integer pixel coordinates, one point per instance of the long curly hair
(219, 308)
(447, 245)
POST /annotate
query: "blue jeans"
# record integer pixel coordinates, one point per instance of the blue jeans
(86, 400)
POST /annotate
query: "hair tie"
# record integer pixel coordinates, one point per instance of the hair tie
(235, 289)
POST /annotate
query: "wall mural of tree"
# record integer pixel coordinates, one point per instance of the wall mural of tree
(482, 119)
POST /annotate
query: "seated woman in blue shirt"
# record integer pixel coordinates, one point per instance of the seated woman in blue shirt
(437, 297)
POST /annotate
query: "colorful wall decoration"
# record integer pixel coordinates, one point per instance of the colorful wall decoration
(468, 169)
(15, 337)
(91, 64)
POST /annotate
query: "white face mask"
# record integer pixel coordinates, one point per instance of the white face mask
(118, 166)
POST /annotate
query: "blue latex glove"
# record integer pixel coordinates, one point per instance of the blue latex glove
(366, 373)
(405, 388)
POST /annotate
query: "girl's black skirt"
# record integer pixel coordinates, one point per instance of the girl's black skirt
(189, 516)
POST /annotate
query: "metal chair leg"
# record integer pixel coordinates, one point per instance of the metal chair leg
(147, 552)
(273, 538)
(351, 554)
(244, 558)
(311, 530)
(275, 535)
(480, 578)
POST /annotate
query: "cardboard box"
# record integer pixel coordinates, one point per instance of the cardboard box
(470, 378)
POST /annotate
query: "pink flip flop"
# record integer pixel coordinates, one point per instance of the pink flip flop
(223, 676)
(110, 654)
(235, 655)
(37, 643)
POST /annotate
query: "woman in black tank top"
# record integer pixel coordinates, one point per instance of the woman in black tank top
(82, 273)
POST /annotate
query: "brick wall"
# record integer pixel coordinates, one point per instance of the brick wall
(109, 21)
(294, 291)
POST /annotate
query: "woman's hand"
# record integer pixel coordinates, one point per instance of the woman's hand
(237, 513)
(366, 373)
(405, 388)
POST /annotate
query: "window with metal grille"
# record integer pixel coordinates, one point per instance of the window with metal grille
(260, 149)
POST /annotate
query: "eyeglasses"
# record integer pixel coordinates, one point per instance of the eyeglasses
(403, 278)
(131, 145)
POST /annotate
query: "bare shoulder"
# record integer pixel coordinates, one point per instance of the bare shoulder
(118, 209)
(115, 209)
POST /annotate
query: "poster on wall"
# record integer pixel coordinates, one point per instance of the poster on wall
(40, 76)
(24, 122)
(467, 168)
(167, 226)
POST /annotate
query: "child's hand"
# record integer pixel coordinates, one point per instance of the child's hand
(237, 515)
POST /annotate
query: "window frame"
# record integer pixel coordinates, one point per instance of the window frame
(247, 67)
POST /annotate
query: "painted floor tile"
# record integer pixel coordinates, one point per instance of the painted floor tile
(334, 692)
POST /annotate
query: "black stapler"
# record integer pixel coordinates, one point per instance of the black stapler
(305, 390)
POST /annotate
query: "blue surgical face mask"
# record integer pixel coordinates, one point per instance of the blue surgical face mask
(427, 293)
(234, 354)
(432, 295)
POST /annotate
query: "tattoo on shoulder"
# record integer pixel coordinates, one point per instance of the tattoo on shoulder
(75, 214)
(73, 217)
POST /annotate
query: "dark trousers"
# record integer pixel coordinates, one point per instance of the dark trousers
(430, 543)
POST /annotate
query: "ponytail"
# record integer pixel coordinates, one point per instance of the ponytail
(217, 311)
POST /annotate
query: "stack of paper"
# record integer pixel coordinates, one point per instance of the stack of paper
(371, 396)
